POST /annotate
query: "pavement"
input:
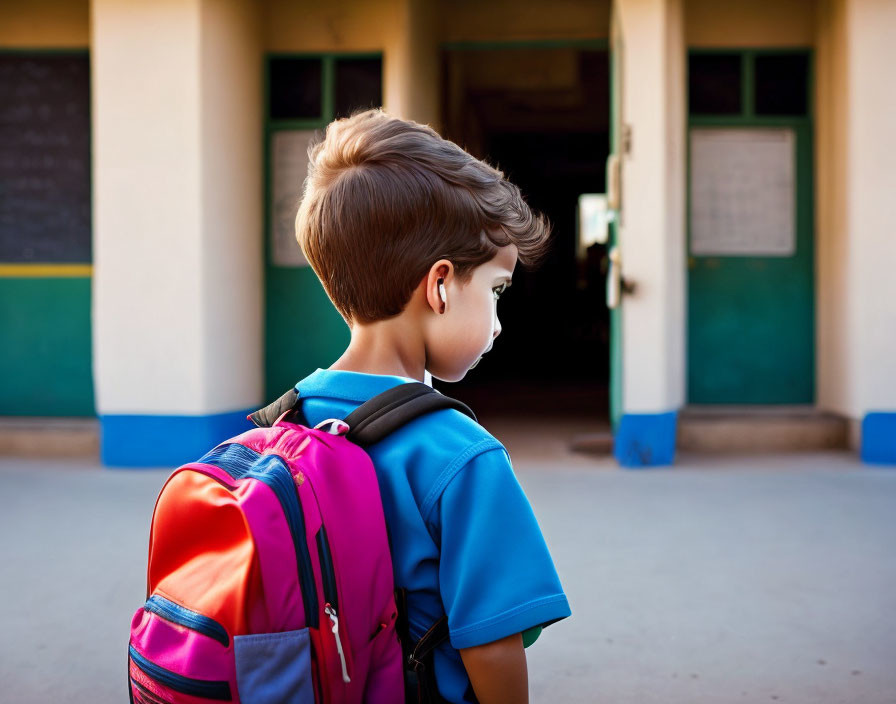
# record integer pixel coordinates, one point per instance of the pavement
(722, 579)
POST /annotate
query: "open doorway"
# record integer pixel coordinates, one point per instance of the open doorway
(541, 115)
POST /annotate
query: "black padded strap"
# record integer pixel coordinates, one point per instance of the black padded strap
(267, 416)
(381, 404)
(430, 640)
(390, 410)
(374, 419)
(419, 658)
(421, 662)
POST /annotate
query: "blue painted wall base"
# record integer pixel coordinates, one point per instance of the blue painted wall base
(879, 438)
(646, 439)
(165, 441)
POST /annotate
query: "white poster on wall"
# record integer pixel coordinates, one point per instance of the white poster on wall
(743, 192)
(289, 165)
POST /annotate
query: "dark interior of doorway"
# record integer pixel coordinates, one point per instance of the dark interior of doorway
(541, 116)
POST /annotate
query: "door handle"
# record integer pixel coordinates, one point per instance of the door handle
(616, 282)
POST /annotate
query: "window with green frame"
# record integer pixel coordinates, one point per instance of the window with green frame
(304, 93)
(751, 83)
(321, 88)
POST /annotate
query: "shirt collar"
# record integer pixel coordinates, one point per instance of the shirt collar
(346, 385)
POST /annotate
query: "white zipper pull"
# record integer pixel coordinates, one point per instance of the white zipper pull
(331, 612)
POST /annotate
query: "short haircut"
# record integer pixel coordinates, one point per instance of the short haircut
(386, 198)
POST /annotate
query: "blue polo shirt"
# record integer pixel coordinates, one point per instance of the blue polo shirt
(464, 539)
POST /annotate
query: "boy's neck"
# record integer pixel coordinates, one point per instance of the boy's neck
(390, 347)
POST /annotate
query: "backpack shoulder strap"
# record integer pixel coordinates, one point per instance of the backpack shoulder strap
(385, 413)
(267, 416)
(376, 418)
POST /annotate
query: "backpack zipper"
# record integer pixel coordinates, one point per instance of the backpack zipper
(207, 689)
(335, 619)
(175, 613)
(327, 571)
(146, 696)
(331, 596)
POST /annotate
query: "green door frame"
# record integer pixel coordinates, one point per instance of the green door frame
(804, 163)
(617, 52)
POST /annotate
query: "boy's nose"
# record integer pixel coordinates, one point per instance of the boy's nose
(497, 328)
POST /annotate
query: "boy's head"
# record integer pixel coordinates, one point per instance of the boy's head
(386, 198)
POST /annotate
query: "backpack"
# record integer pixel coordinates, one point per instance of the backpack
(269, 577)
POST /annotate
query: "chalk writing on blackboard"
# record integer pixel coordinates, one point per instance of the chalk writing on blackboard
(45, 158)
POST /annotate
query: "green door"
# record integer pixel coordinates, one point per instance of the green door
(304, 92)
(750, 244)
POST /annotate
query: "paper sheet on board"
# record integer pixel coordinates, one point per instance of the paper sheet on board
(289, 165)
(742, 192)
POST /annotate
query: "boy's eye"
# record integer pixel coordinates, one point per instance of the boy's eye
(498, 290)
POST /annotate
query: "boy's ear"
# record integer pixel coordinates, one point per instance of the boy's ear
(442, 269)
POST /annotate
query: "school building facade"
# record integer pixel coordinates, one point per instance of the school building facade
(743, 154)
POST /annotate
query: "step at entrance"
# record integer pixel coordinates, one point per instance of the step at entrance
(760, 429)
(49, 437)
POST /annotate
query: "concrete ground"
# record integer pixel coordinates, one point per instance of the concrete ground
(723, 579)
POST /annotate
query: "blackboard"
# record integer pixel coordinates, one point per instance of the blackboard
(45, 157)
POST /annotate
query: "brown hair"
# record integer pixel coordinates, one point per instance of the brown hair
(386, 198)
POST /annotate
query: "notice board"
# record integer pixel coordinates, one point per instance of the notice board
(289, 166)
(743, 192)
(45, 213)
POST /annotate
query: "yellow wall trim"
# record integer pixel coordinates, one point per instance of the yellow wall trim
(31, 271)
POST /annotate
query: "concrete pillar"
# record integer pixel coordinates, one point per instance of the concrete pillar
(652, 228)
(177, 198)
(856, 102)
(411, 72)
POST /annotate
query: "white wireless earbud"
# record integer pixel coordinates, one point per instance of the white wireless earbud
(442, 293)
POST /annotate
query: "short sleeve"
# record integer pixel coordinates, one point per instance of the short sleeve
(496, 575)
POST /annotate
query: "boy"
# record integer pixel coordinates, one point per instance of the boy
(414, 240)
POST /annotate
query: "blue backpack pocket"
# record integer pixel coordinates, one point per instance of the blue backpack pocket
(274, 668)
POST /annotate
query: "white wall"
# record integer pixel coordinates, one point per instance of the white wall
(676, 196)
(834, 345)
(232, 188)
(749, 23)
(511, 20)
(177, 207)
(146, 207)
(337, 25)
(856, 211)
(652, 227)
(871, 208)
